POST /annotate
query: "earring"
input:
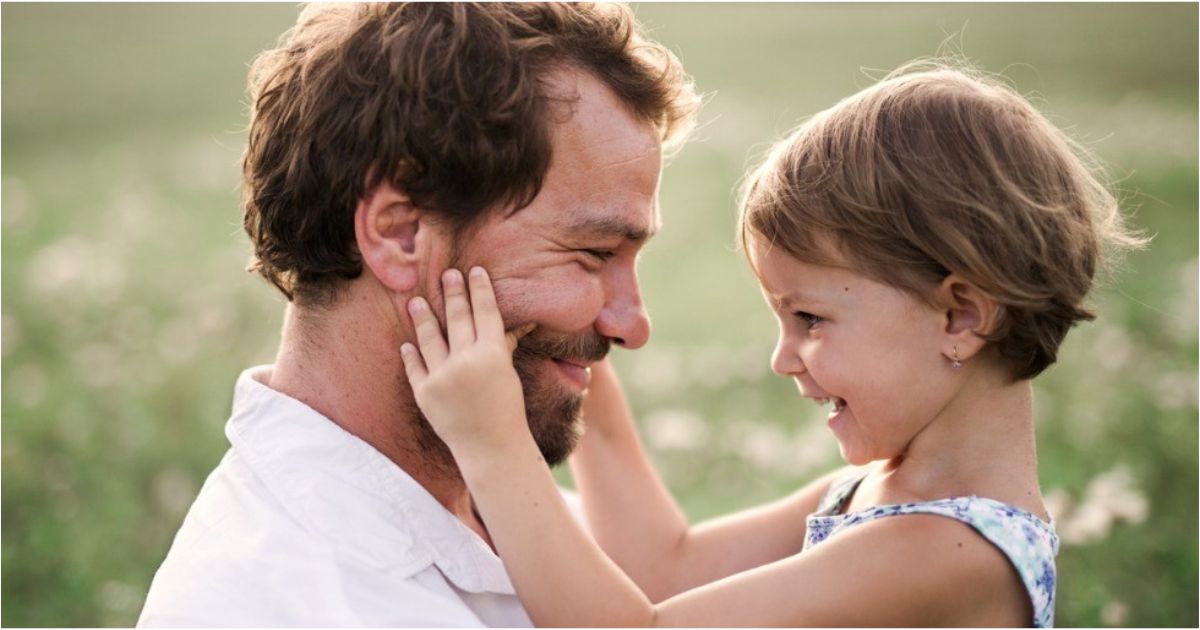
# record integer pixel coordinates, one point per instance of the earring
(956, 363)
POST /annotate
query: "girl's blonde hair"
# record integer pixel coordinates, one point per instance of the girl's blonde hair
(936, 170)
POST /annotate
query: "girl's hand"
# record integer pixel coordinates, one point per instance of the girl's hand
(467, 388)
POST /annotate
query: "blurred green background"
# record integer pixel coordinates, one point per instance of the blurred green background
(127, 316)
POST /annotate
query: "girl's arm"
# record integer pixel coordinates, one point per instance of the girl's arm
(902, 571)
(466, 386)
(638, 524)
(910, 570)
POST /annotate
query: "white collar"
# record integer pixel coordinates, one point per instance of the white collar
(350, 494)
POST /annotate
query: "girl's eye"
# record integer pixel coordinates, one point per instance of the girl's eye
(809, 319)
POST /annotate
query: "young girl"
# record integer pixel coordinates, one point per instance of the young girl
(925, 245)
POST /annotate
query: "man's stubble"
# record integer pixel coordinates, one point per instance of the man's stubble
(554, 414)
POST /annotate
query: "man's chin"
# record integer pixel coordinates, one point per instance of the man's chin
(553, 410)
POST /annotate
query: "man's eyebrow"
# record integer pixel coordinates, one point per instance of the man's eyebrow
(611, 226)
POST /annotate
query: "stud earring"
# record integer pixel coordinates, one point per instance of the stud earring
(956, 363)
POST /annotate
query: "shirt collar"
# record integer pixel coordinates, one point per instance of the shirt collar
(350, 494)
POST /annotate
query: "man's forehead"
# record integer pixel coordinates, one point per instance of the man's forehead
(596, 126)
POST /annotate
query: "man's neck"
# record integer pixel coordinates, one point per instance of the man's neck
(337, 361)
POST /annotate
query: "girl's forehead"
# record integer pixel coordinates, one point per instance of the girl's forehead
(787, 280)
(770, 260)
(784, 276)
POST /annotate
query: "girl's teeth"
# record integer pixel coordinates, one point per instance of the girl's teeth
(837, 403)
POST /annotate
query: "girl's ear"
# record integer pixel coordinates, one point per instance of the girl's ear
(970, 316)
(391, 237)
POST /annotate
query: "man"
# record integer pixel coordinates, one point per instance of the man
(387, 144)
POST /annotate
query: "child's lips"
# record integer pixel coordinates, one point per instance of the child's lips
(820, 398)
(838, 403)
(837, 413)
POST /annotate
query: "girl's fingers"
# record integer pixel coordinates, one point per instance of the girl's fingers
(460, 327)
(429, 335)
(513, 336)
(488, 323)
(414, 366)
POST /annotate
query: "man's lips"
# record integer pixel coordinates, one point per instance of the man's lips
(576, 371)
(583, 363)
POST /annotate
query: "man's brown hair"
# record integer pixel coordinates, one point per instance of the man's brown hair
(939, 169)
(446, 102)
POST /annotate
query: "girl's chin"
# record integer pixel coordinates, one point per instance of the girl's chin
(855, 458)
(854, 452)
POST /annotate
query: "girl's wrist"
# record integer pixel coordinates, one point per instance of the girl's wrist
(490, 470)
(494, 450)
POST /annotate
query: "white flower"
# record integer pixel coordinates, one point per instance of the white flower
(1175, 390)
(174, 491)
(117, 596)
(1115, 613)
(657, 370)
(675, 430)
(1058, 504)
(1112, 348)
(764, 445)
(1110, 498)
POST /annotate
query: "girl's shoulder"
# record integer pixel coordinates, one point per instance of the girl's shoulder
(967, 578)
(971, 538)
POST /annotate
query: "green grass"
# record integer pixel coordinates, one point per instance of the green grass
(127, 316)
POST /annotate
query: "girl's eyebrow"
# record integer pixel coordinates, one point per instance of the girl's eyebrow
(794, 296)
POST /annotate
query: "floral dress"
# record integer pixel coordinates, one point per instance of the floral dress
(1029, 542)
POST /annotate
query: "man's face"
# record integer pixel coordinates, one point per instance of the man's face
(567, 261)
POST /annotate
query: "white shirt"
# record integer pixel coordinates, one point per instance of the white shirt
(304, 524)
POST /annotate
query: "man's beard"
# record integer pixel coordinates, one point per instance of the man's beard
(553, 412)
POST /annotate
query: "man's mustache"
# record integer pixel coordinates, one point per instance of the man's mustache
(541, 344)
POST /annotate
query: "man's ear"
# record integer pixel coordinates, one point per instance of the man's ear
(387, 228)
(970, 316)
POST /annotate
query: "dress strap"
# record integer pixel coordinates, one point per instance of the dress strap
(839, 492)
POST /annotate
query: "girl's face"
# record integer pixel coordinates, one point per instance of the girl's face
(870, 352)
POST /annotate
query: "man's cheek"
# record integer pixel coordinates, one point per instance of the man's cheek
(518, 294)
(510, 303)
(563, 298)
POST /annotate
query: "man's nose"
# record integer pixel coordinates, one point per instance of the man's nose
(624, 318)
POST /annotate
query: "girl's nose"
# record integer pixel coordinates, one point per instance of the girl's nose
(785, 361)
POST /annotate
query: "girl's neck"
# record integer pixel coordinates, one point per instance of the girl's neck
(982, 443)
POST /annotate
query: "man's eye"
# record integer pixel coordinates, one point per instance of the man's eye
(809, 319)
(599, 254)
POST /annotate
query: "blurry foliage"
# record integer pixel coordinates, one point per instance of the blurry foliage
(127, 316)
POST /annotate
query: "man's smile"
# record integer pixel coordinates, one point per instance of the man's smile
(579, 373)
